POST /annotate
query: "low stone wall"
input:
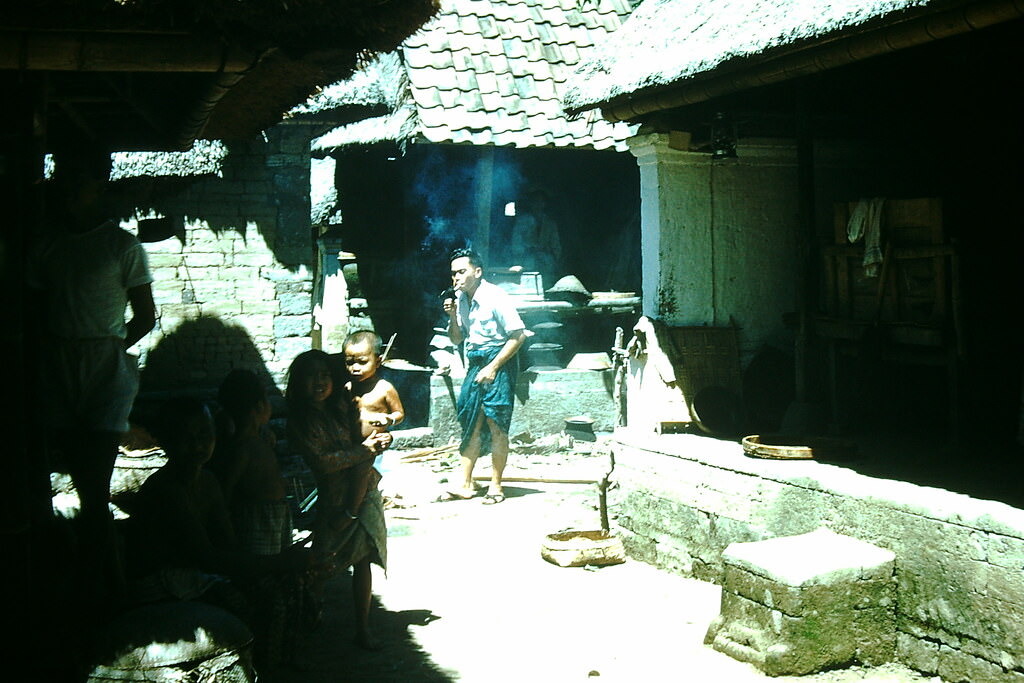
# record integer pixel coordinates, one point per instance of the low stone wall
(959, 561)
(543, 401)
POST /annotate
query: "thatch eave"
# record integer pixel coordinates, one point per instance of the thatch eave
(193, 69)
(707, 67)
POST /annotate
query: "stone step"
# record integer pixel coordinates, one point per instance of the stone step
(798, 604)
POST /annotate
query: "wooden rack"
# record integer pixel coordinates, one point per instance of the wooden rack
(911, 311)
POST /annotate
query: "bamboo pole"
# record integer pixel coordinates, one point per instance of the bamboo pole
(538, 480)
(428, 452)
(387, 349)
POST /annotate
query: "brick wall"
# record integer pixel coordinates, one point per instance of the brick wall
(959, 561)
(234, 286)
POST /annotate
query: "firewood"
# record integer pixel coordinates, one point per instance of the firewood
(422, 453)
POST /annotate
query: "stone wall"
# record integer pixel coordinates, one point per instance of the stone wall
(234, 286)
(959, 561)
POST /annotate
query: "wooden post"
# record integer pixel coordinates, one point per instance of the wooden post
(619, 377)
(484, 192)
(25, 507)
(602, 500)
(799, 416)
(807, 239)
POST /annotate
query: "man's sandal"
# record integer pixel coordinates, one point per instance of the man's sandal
(493, 498)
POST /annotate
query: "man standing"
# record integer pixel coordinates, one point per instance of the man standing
(87, 272)
(535, 243)
(484, 317)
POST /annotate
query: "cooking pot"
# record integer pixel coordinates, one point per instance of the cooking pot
(546, 354)
(580, 428)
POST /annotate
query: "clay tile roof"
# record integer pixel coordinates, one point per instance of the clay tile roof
(494, 72)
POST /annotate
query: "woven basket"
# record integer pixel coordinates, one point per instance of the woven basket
(580, 548)
(775, 447)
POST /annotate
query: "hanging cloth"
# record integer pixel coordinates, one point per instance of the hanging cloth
(866, 222)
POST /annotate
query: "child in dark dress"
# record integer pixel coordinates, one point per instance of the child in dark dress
(323, 427)
(246, 465)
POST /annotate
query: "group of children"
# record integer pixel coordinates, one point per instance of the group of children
(218, 508)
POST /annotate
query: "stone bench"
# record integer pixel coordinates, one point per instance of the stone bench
(799, 604)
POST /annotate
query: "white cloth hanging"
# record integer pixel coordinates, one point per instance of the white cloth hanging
(866, 222)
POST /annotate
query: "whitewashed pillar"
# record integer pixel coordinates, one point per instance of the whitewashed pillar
(675, 229)
(719, 238)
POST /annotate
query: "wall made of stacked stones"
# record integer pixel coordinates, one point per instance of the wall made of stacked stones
(233, 286)
(682, 499)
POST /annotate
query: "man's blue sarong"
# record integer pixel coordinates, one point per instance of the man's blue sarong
(496, 399)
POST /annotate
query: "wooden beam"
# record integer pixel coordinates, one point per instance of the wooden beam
(29, 50)
(144, 112)
(77, 119)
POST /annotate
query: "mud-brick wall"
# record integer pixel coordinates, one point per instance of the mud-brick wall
(959, 561)
(234, 286)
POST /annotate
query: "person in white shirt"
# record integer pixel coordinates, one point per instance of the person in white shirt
(86, 272)
(484, 317)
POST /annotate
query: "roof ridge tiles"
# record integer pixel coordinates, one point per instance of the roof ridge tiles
(493, 71)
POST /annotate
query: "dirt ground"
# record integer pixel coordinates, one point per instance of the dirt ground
(468, 597)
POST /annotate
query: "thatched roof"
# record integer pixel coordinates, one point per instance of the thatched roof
(491, 72)
(378, 84)
(158, 74)
(677, 44)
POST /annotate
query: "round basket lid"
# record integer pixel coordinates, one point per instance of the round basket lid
(782, 447)
(569, 284)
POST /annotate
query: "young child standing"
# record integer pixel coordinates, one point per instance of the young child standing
(246, 465)
(323, 427)
(379, 404)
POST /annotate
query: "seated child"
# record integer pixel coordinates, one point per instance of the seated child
(180, 540)
(379, 404)
(178, 520)
(247, 466)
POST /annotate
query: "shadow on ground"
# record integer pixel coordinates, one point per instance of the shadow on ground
(328, 653)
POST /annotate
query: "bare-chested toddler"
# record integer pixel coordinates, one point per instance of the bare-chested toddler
(379, 404)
